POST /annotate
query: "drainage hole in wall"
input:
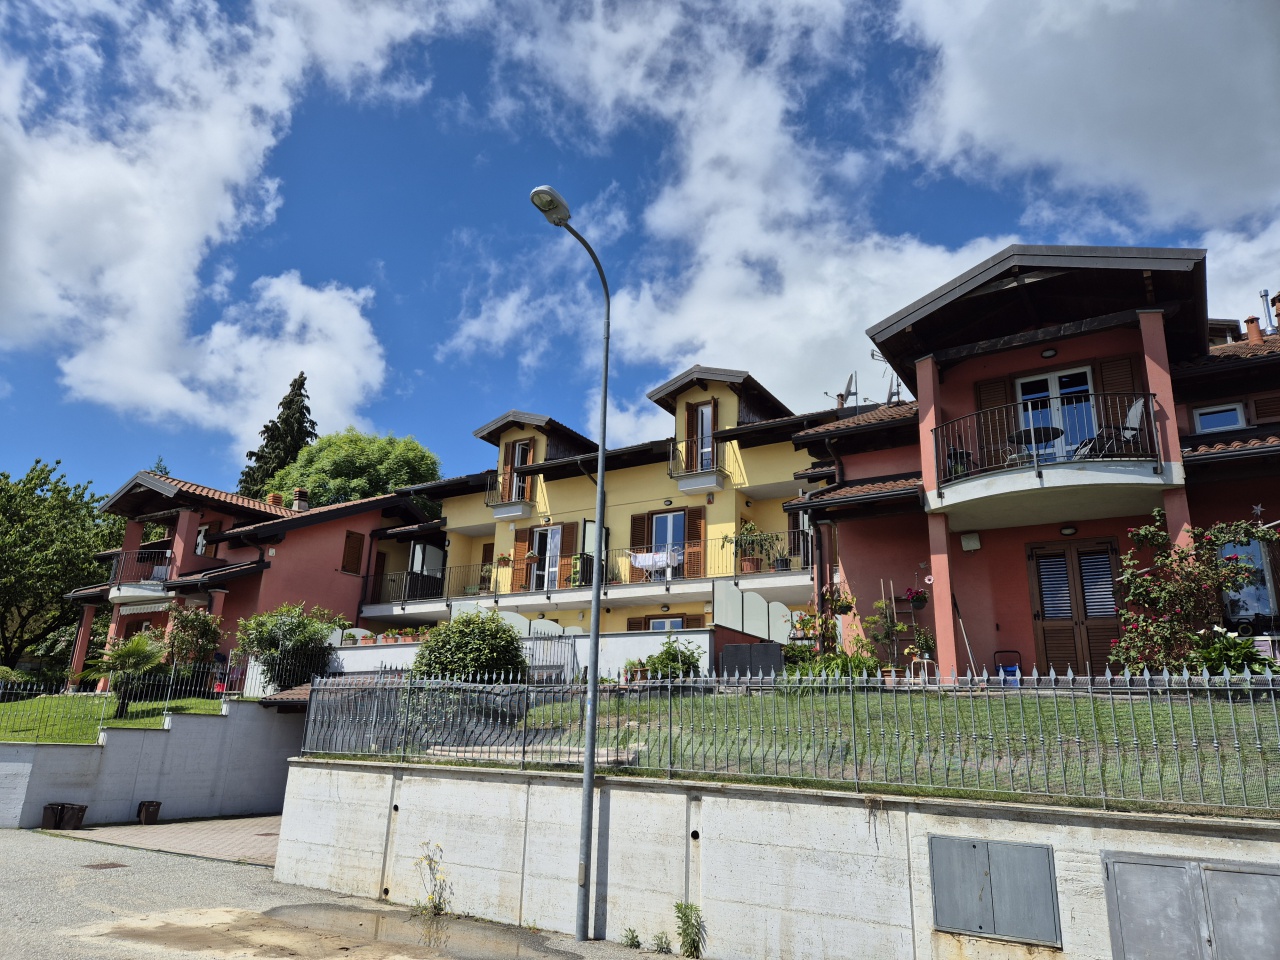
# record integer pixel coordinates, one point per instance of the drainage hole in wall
(395, 808)
(694, 835)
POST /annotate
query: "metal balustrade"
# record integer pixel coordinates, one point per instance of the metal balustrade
(511, 487)
(696, 455)
(1034, 433)
(141, 566)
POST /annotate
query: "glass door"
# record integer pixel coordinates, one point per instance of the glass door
(544, 571)
(668, 543)
(706, 445)
(1056, 413)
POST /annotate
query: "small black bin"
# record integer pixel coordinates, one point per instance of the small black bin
(148, 812)
(73, 815)
(52, 818)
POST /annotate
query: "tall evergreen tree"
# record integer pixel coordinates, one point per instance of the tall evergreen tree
(282, 439)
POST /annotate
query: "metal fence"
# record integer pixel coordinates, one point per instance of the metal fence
(1182, 741)
(59, 712)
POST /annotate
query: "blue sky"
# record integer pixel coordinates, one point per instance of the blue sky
(198, 200)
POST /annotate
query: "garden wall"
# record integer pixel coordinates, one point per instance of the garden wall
(198, 766)
(777, 872)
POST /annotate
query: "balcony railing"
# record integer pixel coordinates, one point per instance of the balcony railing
(650, 563)
(1035, 433)
(509, 487)
(696, 455)
(142, 566)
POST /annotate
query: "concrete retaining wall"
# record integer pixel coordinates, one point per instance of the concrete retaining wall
(777, 872)
(198, 767)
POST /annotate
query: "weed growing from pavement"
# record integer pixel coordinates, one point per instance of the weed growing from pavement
(431, 868)
(630, 938)
(661, 943)
(690, 929)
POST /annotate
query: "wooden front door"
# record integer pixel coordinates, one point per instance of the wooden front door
(1073, 604)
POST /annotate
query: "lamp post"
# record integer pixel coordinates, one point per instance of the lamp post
(556, 211)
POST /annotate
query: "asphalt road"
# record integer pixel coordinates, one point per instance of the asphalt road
(67, 899)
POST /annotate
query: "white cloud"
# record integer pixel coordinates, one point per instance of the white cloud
(1170, 103)
(121, 172)
(6, 388)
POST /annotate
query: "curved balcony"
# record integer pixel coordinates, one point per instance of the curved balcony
(1077, 456)
(138, 575)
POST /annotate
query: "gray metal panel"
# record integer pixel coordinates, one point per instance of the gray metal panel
(1024, 893)
(1155, 908)
(960, 878)
(1243, 912)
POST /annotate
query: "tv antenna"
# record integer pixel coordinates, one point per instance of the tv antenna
(850, 390)
(895, 385)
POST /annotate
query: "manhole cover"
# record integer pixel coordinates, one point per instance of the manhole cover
(104, 866)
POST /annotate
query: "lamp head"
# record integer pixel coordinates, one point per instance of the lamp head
(551, 204)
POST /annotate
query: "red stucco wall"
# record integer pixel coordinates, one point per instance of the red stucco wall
(881, 463)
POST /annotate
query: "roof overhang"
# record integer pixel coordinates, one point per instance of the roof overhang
(764, 403)
(1023, 288)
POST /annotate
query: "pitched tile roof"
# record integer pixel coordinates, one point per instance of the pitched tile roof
(298, 694)
(347, 506)
(1260, 444)
(824, 468)
(886, 414)
(870, 488)
(234, 499)
(1232, 353)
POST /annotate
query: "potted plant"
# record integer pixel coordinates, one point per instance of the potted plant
(926, 643)
(838, 602)
(502, 560)
(752, 545)
(917, 598)
(634, 671)
(885, 630)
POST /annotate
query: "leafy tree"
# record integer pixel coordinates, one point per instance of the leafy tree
(127, 664)
(291, 643)
(472, 644)
(49, 531)
(160, 466)
(352, 465)
(1173, 595)
(677, 658)
(282, 440)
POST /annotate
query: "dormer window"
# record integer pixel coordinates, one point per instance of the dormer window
(1226, 416)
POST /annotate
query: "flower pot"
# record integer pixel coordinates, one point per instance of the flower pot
(782, 564)
(751, 564)
(918, 604)
(637, 674)
(892, 676)
(842, 608)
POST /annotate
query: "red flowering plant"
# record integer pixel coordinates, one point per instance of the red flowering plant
(1173, 595)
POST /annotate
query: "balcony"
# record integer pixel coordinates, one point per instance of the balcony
(138, 575)
(511, 495)
(697, 465)
(1077, 456)
(636, 573)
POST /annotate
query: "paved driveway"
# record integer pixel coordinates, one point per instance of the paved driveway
(66, 897)
(242, 840)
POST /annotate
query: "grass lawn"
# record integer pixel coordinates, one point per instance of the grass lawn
(75, 718)
(1184, 747)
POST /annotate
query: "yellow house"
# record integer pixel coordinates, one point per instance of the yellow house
(683, 514)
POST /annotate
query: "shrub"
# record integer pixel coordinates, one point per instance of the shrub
(469, 644)
(127, 664)
(1216, 650)
(631, 939)
(1176, 594)
(194, 636)
(677, 658)
(661, 943)
(9, 675)
(291, 644)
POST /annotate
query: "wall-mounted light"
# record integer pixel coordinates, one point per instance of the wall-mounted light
(748, 503)
(1048, 352)
(1068, 531)
(666, 503)
(542, 616)
(446, 541)
(665, 608)
(546, 519)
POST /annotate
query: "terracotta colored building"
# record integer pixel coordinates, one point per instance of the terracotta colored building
(1064, 393)
(233, 555)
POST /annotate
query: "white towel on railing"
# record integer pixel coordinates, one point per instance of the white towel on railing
(658, 559)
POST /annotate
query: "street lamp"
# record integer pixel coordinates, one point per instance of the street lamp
(556, 211)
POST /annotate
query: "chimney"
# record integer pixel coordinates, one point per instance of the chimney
(300, 499)
(1253, 334)
(275, 499)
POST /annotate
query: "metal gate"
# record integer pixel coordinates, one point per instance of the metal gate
(1162, 908)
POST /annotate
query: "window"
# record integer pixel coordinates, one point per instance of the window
(666, 623)
(988, 888)
(1255, 598)
(522, 454)
(1056, 413)
(706, 449)
(352, 551)
(203, 547)
(1229, 416)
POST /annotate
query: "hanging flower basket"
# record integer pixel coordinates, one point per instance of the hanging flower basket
(917, 598)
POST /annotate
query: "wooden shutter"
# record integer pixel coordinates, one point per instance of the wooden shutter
(639, 543)
(352, 549)
(635, 623)
(518, 563)
(994, 428)
(695, 532)
(695, 621)
(568, 550)
(690, 437)
(213, 527)
(1266, 408)
(508, 469)
(1116, 376)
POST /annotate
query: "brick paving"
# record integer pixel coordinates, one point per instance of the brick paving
(242, 839)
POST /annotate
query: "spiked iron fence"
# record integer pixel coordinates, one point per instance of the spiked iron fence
(1181, 741)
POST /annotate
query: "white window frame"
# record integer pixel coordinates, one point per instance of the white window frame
(666, 623)
(1199, 412)
(1058, 450)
